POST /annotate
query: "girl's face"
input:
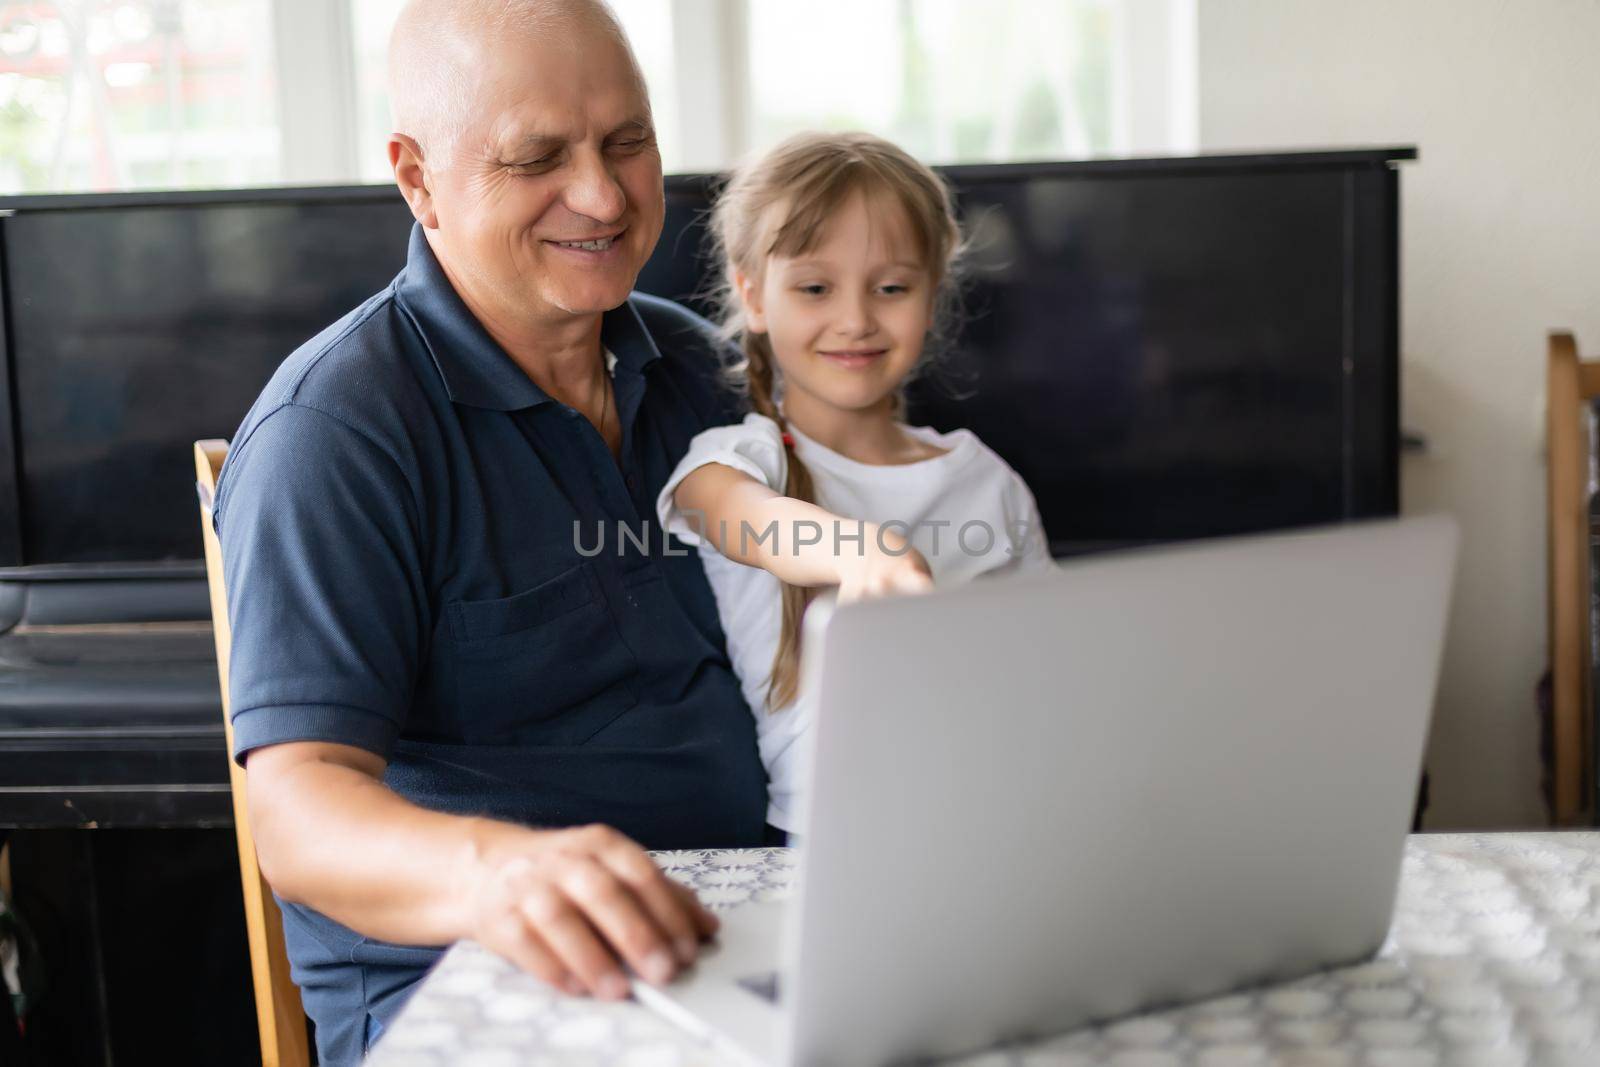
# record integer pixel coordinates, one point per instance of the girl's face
(847, 319)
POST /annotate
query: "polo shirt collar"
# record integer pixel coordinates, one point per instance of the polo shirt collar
(475, 369)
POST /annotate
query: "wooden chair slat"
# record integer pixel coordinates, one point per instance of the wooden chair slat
(279, 1013)
(1572, 383)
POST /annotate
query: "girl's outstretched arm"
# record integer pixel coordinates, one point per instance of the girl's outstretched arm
(800, 543)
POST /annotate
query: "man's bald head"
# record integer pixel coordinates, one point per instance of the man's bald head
(437, 58)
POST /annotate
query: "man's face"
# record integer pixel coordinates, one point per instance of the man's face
(552, 200)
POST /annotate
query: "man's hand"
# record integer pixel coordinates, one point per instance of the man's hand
(564, 905)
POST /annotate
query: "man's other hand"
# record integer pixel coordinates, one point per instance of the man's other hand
(570, 906)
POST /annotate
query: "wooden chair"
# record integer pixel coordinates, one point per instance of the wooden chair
(1573, 386)
(279, 1014)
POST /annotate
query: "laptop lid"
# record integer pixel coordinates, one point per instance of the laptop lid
(1147, 778)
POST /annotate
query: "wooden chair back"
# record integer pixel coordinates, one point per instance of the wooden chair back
(279, 1014)
(1573, 385)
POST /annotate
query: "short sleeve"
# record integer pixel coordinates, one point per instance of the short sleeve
(1028, 542)
(754, 447)
(326, 598)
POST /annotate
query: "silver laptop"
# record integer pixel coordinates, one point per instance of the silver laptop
(1047, 800)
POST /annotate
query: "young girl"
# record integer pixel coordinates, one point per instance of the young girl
(837, 252)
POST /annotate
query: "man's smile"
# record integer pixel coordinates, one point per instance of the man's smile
(598, 243)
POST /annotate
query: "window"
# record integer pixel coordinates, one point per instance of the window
(129, 94)
(371, 21)
(951, 81)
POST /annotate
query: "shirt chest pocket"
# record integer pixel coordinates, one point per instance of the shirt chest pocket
(545, 666)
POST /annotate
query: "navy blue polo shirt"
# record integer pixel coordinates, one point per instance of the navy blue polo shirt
(429, 558)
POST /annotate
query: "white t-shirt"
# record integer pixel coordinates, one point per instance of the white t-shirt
(967, 511)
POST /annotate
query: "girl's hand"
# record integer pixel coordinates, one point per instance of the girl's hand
(888, 566)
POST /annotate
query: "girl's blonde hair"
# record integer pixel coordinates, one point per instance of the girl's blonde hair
(781, 204)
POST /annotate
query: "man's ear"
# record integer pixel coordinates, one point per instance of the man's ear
(749, 290)
(405, 159)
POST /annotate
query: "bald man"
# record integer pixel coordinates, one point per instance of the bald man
(454, 723)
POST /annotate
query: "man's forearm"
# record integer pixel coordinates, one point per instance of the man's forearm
(333, 837)
(562, 904)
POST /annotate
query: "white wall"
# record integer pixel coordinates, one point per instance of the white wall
(1500, 243)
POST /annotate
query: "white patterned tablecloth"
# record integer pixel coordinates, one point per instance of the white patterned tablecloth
(1493, 959)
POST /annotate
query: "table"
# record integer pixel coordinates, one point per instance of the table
(1493, 959)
